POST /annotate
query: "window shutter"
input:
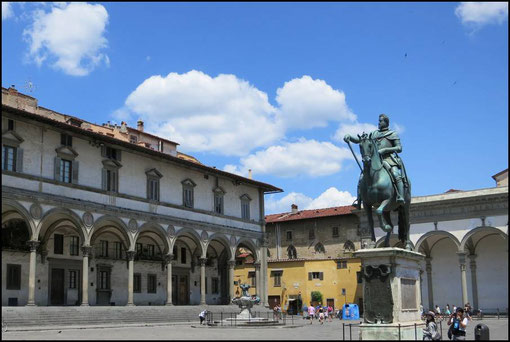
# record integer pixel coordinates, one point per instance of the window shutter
(157, 190)
(19, 160)
(115, 181)
(75, 166)
(309, 275)
(148, 188)
(103, 151)
(103, 179)
(57, 168)
(321, 275)
(119, 155)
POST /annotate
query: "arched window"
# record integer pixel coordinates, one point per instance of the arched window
(319, 248)
(291, 252)
(349, 246)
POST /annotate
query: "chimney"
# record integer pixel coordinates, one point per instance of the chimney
(123, 127)
(12, 90)
(294, 208)
(139, 125)
(249, 174)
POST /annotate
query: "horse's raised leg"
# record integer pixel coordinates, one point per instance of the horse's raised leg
(384, 225)
(387, 218)
(368, 211)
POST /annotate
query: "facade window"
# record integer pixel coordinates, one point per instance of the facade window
(215, 285)
(335, 232)
(66, 171)
(118, 250)
(13, 277)
(151, 283)
(104, 248)
(10, 124)
(74, 247)
(110, 180)
(289, 235)
(153, 189)
(311, 234)
(292, 252)
(277, 275)
(183, 255)
(348, 245)
(252, 276)
(150, 250)
(112, 153)
(187, 193)
(58, 244)
(245, 207)
(66, 140)
(72, 278)
(133, 139)
(139, 248)
(319, 248)
(104, 280)
(137, 283)
(9, 158)
(315, 275)
(341, 264)
(218, 202)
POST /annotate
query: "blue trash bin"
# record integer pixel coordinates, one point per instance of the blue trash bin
(350, 312)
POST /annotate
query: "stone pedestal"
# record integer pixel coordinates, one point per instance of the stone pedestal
(391, 293)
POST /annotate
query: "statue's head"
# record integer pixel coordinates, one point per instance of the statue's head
(384, 121)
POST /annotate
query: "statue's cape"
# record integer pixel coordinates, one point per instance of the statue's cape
(388, 134)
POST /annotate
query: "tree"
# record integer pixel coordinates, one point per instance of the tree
(317, 297)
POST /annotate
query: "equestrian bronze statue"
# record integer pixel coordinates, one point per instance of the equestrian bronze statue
(383, 183)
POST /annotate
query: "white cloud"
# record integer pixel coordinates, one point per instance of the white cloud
(481, 13)
(332, 197)
(71, 35)
(6, 10)
(353, 129)
(306, 103)
(290, 159)
(222, 114)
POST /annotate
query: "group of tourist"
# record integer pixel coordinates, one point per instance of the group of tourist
(322, 313)
(458, 320)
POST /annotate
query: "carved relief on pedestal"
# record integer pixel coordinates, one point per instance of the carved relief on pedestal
(378, 306)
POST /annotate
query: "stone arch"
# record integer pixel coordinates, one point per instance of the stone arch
(120, 230)
(349, 246)
(250, 245)
(151, 228)
(53, 219)
(222, 239)
(319, 248)
(13, 209)
(436, 233)
(488, 229)
(193, 235)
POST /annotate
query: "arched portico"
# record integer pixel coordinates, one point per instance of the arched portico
(222, 289)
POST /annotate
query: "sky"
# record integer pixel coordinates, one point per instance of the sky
(274, 87)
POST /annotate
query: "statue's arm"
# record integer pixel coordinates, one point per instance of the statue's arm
(396, 148)
(350, 138)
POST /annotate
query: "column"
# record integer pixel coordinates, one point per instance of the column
(86, 250)
(131, 270)
(202, 280)
(231, 265)
(428, 268)
(462, 264)
(31, 275)
(474, 284)
(169, 258)
(257, 279)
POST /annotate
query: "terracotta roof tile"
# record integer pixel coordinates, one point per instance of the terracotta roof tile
(307, 214)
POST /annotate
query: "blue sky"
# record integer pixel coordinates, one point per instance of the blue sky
(273, 87)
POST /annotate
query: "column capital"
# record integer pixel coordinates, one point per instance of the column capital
(33, 245)
(231, 263)
(472, 257)
(462, 258)
(169, 258)
(86, 250)
(202, 261)
(257, 265)
(131, 255)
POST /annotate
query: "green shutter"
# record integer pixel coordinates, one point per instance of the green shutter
(75, 166)
(103, 179)
(309, 275)
(321, 275)
(57, 168)
(19, 160)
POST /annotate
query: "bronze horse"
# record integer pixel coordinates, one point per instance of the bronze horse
(377, 190)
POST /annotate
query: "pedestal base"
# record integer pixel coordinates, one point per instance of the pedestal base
(407, 331)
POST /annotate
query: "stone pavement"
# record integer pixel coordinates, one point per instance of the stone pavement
(302, 330)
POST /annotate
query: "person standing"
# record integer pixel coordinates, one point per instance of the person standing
(202, 316)
(330, 312)
(430, 332)
(305, 312)
(459, 323)
(438, 311)
(321, 315)
(447, 311)
(311, 313)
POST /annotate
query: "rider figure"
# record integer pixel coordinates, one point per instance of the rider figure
(388, 143)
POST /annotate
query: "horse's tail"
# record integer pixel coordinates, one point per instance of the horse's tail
(403, 222)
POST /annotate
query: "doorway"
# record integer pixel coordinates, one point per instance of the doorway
(103, 291)
(331, 301)
(273, 301)
(57, 293)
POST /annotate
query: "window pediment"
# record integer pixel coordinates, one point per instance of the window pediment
(219, 190)
(66, 152)
(111, 163)
(188, 182)
(153, 173)
(11, 138)
(245, 197)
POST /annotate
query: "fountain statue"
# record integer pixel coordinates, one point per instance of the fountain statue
(245, 302)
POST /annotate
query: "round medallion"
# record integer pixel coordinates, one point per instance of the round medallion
(233, 240)
(204, 235)
(133, 225)
(88, 219)
(170, 230)
(36, 211)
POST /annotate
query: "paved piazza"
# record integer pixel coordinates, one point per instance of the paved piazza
(301, 331)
